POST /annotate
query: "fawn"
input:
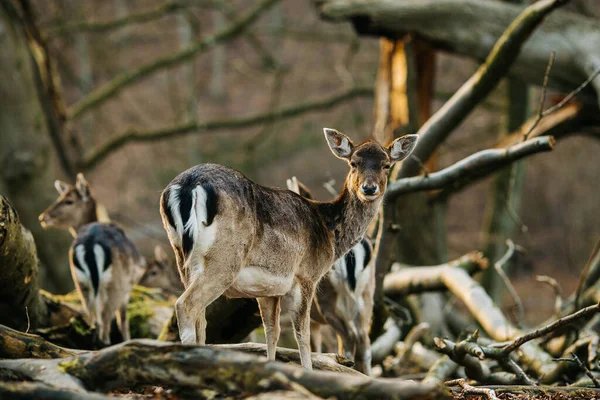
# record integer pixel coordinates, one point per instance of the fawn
(160, 274)
(104, 263)
(232, 236)
(344, 299)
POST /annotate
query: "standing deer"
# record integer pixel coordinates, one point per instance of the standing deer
(161, 274)
(344, 299)
(104, 263)
(232, 236)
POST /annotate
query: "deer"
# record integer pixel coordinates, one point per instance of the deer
(234, 237)
(104, 263)
(161, 274)
(344, 299)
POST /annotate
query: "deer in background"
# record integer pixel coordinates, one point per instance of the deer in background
(232, 236)
(161, 274)
(104, 263)
(344, 299)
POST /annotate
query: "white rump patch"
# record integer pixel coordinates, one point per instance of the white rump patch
(83, 277)
(204, 236)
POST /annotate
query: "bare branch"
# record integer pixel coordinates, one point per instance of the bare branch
(497, 64)
(518, 342)
(498, 265)
(474, 167)
(125, 79)
(195, 127)
(106, 26)
(468, 389)
(540, 114)
(557, 292)
(543, 113)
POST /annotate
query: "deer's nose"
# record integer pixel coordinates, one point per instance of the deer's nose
(369, 190)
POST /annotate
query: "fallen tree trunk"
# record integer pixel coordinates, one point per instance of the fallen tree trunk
(190, 369)
(471, 27)
(20, 304)
(423, 279)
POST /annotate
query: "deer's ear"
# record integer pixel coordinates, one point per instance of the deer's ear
(340, 144)
(161, 255)
(61, 187)
(82, 186)
(402, 147)
(292, 184)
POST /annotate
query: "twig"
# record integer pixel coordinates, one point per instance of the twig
(540, 114)
(511, 289)
(557, 292)
(581, 365)
(421, 165)
(329, 185)
(468, 389)
(413, 336)
(559, 105)
(518, 342)
(28, 320)
(584, 274)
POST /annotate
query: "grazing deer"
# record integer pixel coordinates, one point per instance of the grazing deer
(232, 236)
(344, 299)
(104, 263)
(161, 274)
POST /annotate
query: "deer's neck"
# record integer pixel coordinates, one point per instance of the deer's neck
(348, 218)
(90, 215)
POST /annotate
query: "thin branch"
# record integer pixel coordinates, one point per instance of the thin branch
(125, 79)
(168, 8)
(543, 113)
(472, 390)
(503, 55)
(498, 265)
(540, 114)
(557, 292)
(518, 342)
(583, 367)
(476, 166)
(195, 127)
(593, 260)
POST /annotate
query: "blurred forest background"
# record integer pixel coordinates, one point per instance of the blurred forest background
(256, 97)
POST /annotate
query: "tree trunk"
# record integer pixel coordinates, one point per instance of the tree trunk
(28, 161)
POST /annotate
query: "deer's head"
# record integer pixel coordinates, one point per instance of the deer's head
(369, 162)
(74, 207)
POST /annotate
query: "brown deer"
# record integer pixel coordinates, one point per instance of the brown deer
(344, 299)
(161, 274)
(232, 236)
(104, 263)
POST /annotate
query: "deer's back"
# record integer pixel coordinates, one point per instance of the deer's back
(101, 254)
(275, 226)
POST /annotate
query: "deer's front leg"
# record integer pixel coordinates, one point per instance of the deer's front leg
(269, 311)
(301, 322)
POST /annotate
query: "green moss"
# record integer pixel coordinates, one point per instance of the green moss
(70, 366)
(82, 328)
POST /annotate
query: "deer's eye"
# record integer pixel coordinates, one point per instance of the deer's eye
(68, 202)
(353, 164)
(387, 166)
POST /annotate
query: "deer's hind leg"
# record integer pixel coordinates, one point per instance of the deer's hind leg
(210, 277)
(301, 320)
(122, 320)
(269, 311)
